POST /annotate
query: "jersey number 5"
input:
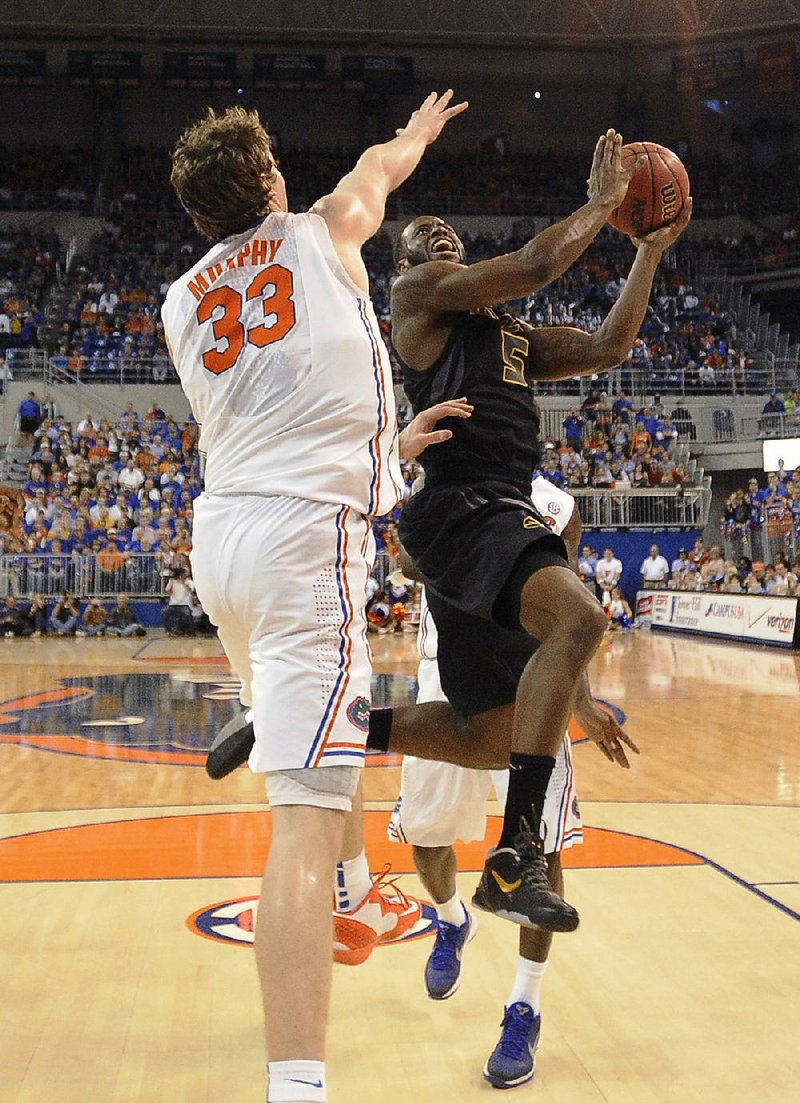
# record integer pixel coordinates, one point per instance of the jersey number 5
(515, 351)
(227, 326)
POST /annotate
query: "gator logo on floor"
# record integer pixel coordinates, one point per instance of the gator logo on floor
(358, 713)
(233, 922)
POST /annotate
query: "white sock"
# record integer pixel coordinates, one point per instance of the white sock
(528, 983)
(452, 911)
(353, 883)
(296, 1082)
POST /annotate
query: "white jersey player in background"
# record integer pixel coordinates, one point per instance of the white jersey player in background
(278, 350)
(440, 803)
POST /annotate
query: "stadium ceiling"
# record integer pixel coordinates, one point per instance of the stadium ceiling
(586, 23)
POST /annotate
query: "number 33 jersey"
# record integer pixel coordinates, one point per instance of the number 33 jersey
(281, 358)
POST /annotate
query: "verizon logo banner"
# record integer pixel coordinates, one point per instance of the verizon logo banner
(739, 616)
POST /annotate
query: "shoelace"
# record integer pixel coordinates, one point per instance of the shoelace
(530, 849)
(382, 881)
(516, 1034)
(445, 945)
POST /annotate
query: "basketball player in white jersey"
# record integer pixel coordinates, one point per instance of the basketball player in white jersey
(278, 350)
(440, 803)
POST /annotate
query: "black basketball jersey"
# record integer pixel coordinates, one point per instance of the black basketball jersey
(486, 359)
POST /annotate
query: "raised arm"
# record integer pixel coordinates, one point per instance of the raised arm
(355, 208)
(561, 352)
(443, 287)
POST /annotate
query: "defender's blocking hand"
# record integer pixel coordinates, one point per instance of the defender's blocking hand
(429, 120)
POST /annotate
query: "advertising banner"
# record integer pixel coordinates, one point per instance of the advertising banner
(749, 617)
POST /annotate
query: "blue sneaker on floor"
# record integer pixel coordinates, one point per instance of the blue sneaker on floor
(513, 1060)
(443, 967)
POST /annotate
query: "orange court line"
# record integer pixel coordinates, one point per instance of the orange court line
(87, 748)
(235, 844)
(66, 695)
(176, 660)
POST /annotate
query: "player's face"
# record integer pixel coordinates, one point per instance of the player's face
(430, 238)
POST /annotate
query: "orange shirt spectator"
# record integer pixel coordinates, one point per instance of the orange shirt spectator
(641, 441)
(145, 459)
(98, 453)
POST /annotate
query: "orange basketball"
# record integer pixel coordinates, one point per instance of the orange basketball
(656, 193)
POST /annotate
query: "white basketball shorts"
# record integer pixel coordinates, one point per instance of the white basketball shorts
(284, 580)
(440, 803)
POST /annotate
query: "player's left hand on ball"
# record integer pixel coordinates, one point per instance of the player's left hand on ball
(604, 730)
(422, 431)
(667, 235)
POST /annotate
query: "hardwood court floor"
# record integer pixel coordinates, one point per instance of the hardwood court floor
(125, 878)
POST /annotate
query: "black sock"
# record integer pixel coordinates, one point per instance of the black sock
(528, 779)
(380, 728)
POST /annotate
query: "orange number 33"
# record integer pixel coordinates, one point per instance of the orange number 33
(227, 327)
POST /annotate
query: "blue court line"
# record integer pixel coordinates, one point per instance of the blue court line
(751, 886)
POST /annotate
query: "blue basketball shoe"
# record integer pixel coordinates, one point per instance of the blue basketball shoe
(513, 1060)
(443, 967)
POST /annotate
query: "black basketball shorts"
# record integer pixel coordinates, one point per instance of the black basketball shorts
(475, 547)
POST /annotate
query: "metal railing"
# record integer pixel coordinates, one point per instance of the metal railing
(33, 363)
(771, 425)
(766, 375)
(26, 363)
(103, 574)
(762, 543)
(121, 370)
(682, 508)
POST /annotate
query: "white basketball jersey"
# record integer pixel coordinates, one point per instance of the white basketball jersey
(281, 358)
(554, 506)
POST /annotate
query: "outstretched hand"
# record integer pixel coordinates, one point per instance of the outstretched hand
(429, 120)
(421, 431)
(665, 236)
(604, 730)
(608, 180)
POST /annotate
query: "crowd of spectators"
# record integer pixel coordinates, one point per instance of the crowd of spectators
(712, 571)
(607, 444)
(109, 324)
(37, 177)
(763, 519)
(28, 266)
(511, 181)
(696, 569)
(37, 618)
(109, 328)
(107, 511)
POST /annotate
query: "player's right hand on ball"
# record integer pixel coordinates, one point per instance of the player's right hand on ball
(429, 120)
(666, 235)
(608, 180)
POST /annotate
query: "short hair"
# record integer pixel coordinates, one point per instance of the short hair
(218, 166)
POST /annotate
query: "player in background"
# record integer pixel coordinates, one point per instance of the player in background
(472, 531)
(440, 803)
(278, 350)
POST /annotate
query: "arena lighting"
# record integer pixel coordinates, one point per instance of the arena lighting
(537, 95)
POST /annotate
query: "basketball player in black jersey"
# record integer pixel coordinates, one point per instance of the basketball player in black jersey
(473, 532)
(479, 543)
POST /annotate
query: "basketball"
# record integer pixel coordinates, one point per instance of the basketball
(657, 191)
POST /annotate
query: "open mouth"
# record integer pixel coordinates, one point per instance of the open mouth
(443, 245)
